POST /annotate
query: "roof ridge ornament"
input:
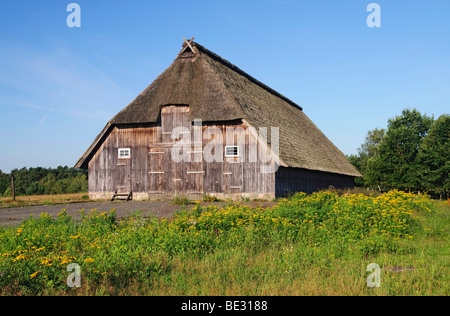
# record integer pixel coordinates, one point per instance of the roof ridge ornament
(188, 44)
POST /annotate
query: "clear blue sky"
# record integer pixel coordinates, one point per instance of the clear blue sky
(59, 86)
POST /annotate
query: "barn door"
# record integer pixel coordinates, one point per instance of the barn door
(233, 176)
(233, 164)
(124, 181)
(157, 179)
(195, 173)
(174, 174)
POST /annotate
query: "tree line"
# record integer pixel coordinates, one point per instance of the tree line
(411, 154)
(37, 181)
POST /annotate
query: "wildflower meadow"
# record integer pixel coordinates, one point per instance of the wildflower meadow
(318, 244)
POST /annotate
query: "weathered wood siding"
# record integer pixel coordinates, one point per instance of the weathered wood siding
(291, 180)
(152, 172)
(108, 173)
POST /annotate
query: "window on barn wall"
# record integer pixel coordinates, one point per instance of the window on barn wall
(231, 151)
(124, 153)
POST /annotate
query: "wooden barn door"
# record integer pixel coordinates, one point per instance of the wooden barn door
(124, 181)
(185, 177)
(176, 117)
(194, 169)
(235, 139)
(233, 176)
(157, 173)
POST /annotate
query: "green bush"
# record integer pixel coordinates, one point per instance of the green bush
(181, 200)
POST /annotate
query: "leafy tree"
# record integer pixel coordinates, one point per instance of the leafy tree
(7, 192)
(49, 184)
(395, 163)
(78, 184)
(370, 147)
(35, 188)
(434, 157)
(45, 181)
(367, 150)
(5, 182)
(22, 180)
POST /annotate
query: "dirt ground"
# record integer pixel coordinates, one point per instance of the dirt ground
(13, 216)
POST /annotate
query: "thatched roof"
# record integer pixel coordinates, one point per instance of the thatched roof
(216, 90)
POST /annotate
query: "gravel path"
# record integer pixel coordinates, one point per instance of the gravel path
(12, 216)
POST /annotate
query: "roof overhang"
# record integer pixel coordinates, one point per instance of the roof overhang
(83, 162)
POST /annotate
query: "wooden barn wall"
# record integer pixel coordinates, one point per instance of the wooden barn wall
(108, 173)
(151, 171)
(236, 175)
(301, 180)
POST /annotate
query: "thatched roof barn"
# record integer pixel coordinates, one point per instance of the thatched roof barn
(217, 92)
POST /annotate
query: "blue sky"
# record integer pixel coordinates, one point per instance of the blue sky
(59, 86)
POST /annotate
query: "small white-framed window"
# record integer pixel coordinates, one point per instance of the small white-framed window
(231, 151)
(124, 153)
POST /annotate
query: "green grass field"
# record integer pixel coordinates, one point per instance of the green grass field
(319, 244)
